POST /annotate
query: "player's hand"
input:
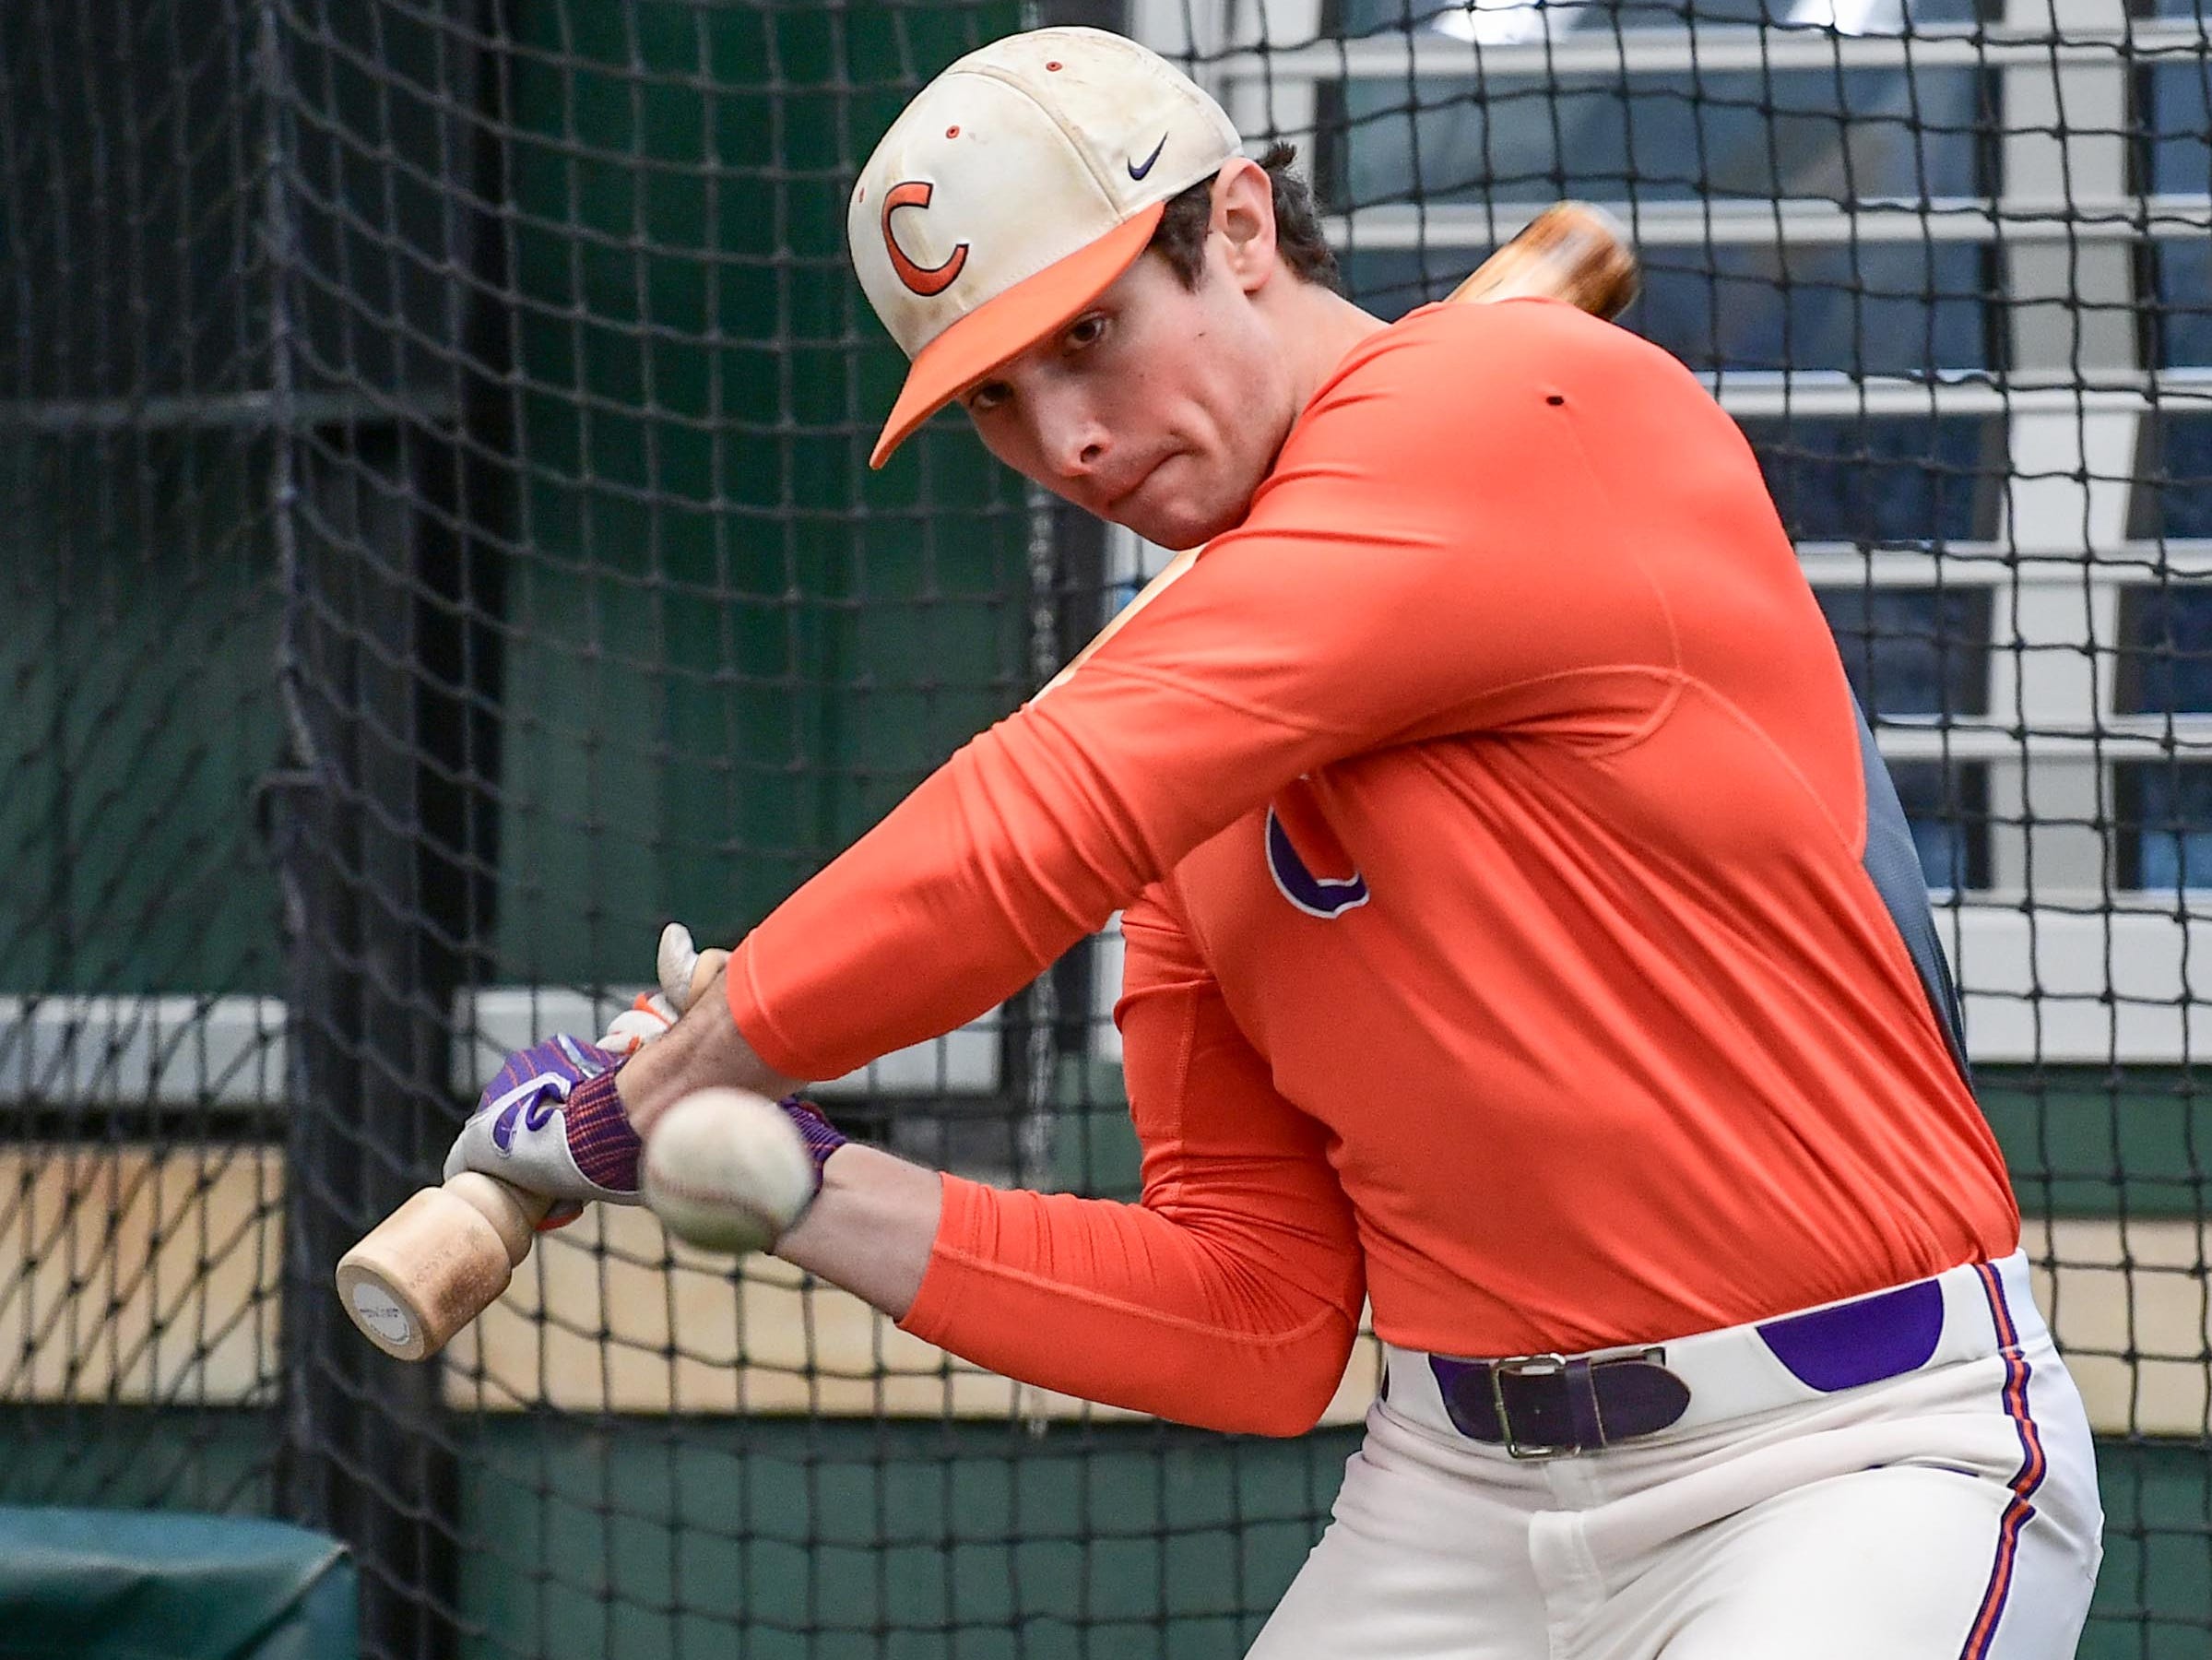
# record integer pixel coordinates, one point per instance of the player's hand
(546, 1143)
(552, 1123)
(651, 1015)
(685, 972)
(654, 1012)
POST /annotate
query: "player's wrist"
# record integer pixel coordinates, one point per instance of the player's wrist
(601, 1137)
(820, 1137)
(704, 1048)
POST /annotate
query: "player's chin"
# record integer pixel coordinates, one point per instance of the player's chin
(1176, 523)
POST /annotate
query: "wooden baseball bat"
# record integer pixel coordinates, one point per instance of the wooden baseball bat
(449, 1252)
(1570, 251)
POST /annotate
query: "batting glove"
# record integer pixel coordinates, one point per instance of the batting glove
(552, 1123)
(649, 1017)
(654, 1012)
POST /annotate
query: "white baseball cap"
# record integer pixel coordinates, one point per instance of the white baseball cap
(1015, 188)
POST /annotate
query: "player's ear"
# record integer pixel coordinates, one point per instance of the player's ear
(1244, 217)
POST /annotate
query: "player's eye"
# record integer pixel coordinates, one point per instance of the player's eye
(1084, 331)
(990, 395)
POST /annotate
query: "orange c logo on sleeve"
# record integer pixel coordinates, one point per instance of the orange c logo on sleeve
(924, 281)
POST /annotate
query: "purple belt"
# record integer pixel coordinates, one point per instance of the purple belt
(1542, 1405)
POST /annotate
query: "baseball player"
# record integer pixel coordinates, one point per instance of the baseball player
(1523, 935)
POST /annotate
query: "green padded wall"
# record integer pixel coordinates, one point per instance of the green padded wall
(101, 1584)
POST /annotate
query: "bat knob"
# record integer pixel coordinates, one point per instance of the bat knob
(436, 1262)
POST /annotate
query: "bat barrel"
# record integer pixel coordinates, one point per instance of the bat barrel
(1570, 251)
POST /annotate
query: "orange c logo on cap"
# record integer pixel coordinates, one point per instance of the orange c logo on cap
(924, 281)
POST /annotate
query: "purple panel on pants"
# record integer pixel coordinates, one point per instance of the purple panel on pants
(1859, 1342)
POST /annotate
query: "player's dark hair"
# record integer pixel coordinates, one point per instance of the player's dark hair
(1180, 238)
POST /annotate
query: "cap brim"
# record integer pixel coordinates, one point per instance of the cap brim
(1011, 325)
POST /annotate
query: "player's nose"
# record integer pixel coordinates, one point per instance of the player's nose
(1071, 439)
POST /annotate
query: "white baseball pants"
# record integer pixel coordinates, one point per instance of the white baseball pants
(1947, 1513)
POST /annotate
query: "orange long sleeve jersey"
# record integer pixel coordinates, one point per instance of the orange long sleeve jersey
(1520, 925)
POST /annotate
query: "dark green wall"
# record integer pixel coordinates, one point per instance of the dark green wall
(2083, 1140)
(732, 649)
(982, 1542)
(137, 713)
(908, 1539)
(2154, 1595)
(728, 648)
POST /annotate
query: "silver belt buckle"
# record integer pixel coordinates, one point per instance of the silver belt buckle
(1523, 1365)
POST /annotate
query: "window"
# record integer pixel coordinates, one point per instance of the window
(2163, 807)
(1819, 133)
(2173, 159)
(1913, 653)
(1947, 808)
(1878, 309)
(1741, 138)
(1506, 22)
(2164, 825)
(1883, 309)
(1920, 655)
(1912, 480)
(2174, 473)
(2165, 664)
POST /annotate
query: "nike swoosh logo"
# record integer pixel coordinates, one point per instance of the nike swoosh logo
(1136, 172)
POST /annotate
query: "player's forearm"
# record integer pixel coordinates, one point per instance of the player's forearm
(955, 902)
(870, 1228)
(1188, 1317)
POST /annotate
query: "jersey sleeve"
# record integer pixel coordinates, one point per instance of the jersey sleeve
(1228, 1296)
(1435, 552)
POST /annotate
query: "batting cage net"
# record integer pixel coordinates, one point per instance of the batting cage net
(440, 550)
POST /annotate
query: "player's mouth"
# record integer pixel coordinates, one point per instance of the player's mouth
(1118, 504)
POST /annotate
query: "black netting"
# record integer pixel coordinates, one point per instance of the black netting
(439, 549)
